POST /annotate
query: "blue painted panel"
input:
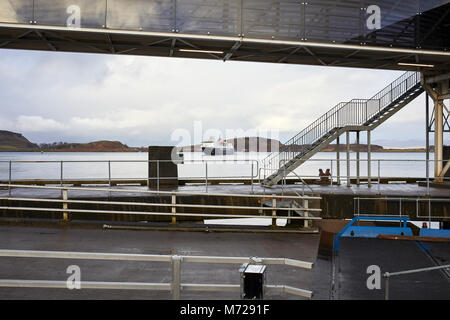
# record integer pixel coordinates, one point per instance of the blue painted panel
(373, 232)
(442, 233)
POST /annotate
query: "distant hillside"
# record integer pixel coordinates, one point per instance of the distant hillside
(255, 144)
(96, 146)
(15, 142)
(11, 141)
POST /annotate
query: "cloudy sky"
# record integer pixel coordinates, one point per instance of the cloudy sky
(145, 101)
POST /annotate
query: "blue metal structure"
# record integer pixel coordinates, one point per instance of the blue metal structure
(439, 233)
(353, 231)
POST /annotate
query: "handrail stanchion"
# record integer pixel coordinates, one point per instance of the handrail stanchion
(331, 173)
(379, 181)
(428, 178)
(10, 175)
(109, 173)
(65, 197)
(306, 206)
(206, 176)
(176, 277)
(61, 177)
(174, 209)
(369, 161)
(386, 294)
(274, 211)
(252, 180)
(157, 174)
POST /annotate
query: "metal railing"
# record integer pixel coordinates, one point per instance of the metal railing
(173, 205)
(357, 112)
(175, 286)
(338, 175)
(388, 275)
(401, 201)
(249, 166)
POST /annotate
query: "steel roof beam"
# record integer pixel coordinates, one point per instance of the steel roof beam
(3, 44)
(274, 42)
(233, 49)
(172, 47)
(51, 46)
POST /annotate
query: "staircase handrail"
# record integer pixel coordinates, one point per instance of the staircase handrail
(393, 91)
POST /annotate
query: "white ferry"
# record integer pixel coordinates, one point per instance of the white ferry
(218, 147)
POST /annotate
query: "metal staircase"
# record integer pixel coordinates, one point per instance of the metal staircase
(355, 115)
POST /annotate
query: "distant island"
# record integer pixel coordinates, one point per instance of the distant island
(16, 142)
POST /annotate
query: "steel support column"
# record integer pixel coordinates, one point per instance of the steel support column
(427, 138)
(338, 162)
(369, 158)
(357, 159)
(437, 87)
(438, 138)
(347, 136)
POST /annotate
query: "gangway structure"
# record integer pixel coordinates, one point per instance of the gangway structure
(379, 34)
(355, 115)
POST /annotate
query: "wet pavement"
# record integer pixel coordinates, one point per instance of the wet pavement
(341, 278)
(301, 247)
(357, 254)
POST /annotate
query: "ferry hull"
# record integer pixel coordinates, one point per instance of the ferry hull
(217, 151)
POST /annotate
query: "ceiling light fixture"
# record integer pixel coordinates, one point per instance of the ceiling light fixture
(200, 51)
(416, 65)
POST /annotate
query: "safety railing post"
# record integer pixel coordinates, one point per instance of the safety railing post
(65, 205)
(206, 176)
(274, 211)
(176, 277)
(306, 206)
(61, 176)
(10, 178)
(174, 209)
(109, 173)
(331, 172)
(157, 174)
(379, 180)
(251, 179)
(386, 293)
(62, 173)
(379, 108)
(148, 174)
(391, 94)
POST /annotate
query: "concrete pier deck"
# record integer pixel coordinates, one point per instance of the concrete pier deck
(392, 189)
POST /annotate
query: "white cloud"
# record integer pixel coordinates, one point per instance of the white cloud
(142, 100)
(37, 124)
